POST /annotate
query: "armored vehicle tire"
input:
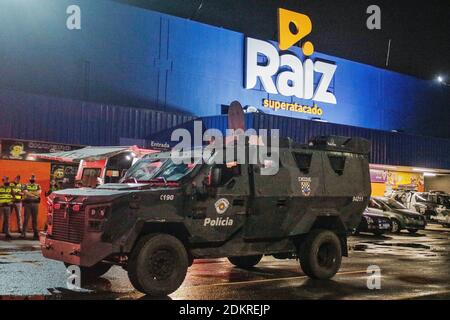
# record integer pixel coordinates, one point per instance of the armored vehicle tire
(245, 261)
(94, 272)
(320, 254)
(158, 264)
(395, 226)
(413, 231)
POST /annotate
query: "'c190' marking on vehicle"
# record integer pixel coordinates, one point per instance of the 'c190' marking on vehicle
(218, 222)
(305, 185)
(222, 205)
(167, 197)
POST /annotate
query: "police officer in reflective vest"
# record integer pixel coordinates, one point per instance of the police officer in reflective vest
(6, 200)
(16, 207)
(31, 200)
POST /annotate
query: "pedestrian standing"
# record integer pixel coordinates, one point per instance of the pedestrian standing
(53, 187)
(16, 207)
(31, 200)
(6, 200)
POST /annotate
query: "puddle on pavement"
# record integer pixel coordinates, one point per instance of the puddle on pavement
(30, 261)
(9, 250)
(418, 279)
(360, 247)
(364, 246)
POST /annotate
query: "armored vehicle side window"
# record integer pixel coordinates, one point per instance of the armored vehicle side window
(303, 161)
(337, 163)
(229, 171)
(89, 177)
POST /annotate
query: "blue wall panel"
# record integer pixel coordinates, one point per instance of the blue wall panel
(129, 56)
(387, 147)
(33, 117)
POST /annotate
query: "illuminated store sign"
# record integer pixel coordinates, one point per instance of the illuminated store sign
(286, 74)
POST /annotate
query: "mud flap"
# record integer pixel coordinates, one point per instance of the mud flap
(344, 245)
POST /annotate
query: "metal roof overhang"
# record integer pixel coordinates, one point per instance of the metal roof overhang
(90, 153)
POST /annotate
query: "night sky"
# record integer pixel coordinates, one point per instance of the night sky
(420, 33)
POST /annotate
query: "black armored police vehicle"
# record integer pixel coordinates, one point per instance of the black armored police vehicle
(166, 214)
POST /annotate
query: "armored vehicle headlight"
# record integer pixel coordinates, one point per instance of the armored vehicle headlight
(369, 220)
(98, 213)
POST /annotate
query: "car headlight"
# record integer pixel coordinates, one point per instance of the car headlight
(369, 219)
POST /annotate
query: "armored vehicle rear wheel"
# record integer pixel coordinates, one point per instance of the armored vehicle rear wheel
(246, 261)
(94, 272)
(158, 265)
(320, 254)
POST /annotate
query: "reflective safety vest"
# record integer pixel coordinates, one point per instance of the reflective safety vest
(6, 196)
(32, 187)
(17, 188)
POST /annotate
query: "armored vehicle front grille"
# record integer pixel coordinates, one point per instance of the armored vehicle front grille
(68, 227)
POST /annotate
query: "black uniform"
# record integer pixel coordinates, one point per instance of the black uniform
(31, 205)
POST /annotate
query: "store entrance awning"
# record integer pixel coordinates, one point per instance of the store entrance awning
(91, 153)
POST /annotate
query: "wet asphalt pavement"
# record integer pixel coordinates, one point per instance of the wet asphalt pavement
(412, 267)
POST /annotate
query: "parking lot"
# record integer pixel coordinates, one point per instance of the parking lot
(412, 267)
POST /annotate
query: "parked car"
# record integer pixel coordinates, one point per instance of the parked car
(435, 205)
(401, 217)
(374, 222)
(440, 202)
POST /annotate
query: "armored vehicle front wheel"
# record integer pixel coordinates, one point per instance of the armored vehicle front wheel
(413, 231)
(245, 261)
(94, 272)
(158, 264)
(320, 254)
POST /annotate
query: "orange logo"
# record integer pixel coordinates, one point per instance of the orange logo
(292, 27)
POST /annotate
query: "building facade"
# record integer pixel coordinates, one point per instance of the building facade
(128, 56)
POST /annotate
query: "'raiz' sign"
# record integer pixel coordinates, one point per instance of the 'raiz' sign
(286, 74)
